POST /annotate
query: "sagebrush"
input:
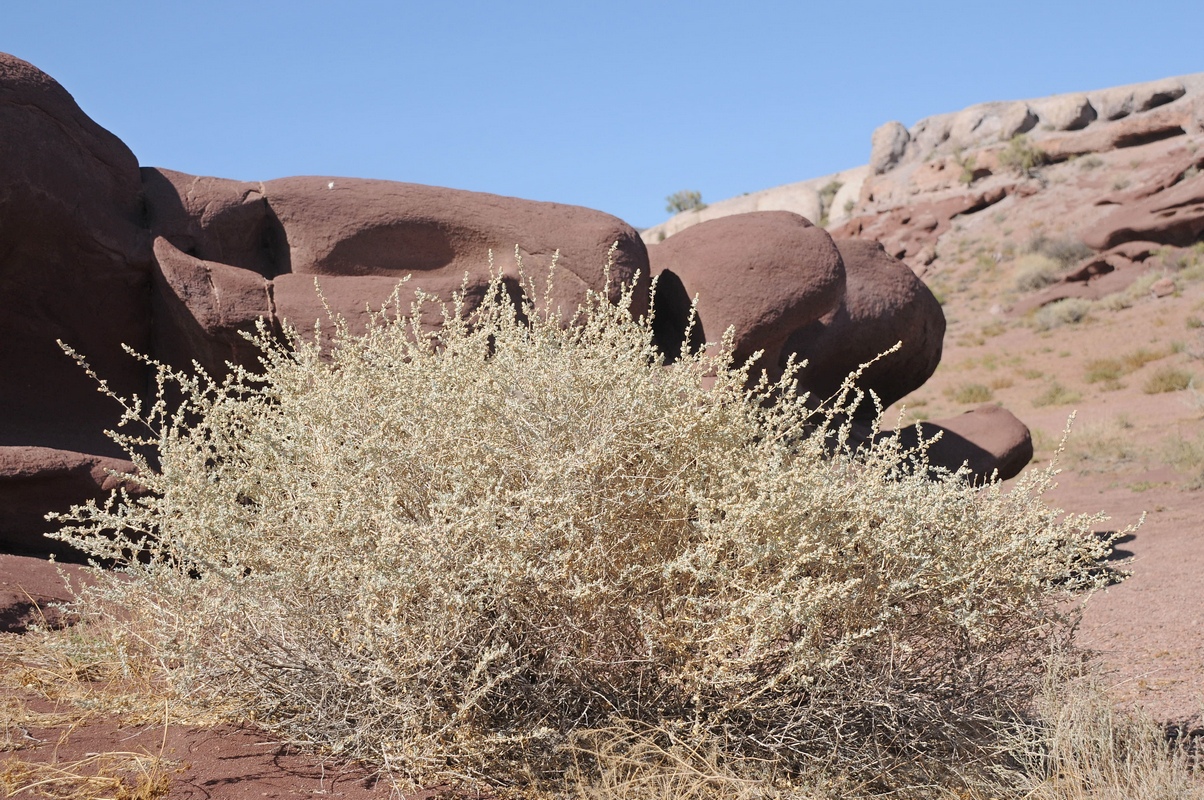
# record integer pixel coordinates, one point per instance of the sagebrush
(464, 553)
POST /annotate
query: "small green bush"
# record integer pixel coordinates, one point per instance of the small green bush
(685, 200)
(1064, 250)
(827, 195)
(472, 555)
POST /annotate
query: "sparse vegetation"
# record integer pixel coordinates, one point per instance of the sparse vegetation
(1070, 311)
(970, 393)
(826, 196)
(1022, 156)
(1064, 251)
(1036, 271)
(525, 553)
(685, 200)
(1186, 454)
(1167, 379)
(1056, 394)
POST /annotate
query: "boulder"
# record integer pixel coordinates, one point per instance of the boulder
(1066, 112)
(884, 303)
(35, 480)
(1174, 216)
(990, 440)
(216, 220)
(887, 145)
(765, 274)
(1134, 131)
(75, 265)
(200, 309)
(1122, 101)
(383, 229)
(796, 198)
(1015, 119)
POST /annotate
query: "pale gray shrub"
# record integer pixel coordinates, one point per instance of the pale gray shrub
(1070, 311)
(458, 554)
(1036, 271)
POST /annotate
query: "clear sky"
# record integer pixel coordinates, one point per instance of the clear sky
(611, 105)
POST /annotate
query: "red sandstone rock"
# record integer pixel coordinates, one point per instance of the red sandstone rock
(201, 308)
(384, 229)
(884, 303)
(765, 274)
(1173, 216)
(990, 440)
(909, 232)
(74, 265)
(1162, 123)
(35, 480)
(215, 220)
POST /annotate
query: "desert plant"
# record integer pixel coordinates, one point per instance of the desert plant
(1070, 311)
(685, 200)
(1081, 747)
(460, 552)
(1056, 394)
(827, 195)
(1036, 271)
(1022, 156)
(970, 393)
(1064, 250)
(1167, 379)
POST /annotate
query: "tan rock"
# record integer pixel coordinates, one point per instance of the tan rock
(887, 145)
(1067, 112)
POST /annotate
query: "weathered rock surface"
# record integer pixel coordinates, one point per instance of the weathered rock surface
(888, 144)
(216, 220)
(765, 274)
(200, 309)
(75, 265)
(884, 304)
(34, 480)
(355, 227)
(988, 439)
(1066, 112)
(1122, 101)
(1173, 216)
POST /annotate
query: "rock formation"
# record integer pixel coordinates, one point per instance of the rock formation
(100, 252)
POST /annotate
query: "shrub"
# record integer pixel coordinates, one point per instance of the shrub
(685, 200)
(1036, 271)
(1063, 250)
(827, 195)
(1056, 394)
(1070, 311)
(970, 393)
(1022, 156)
(1167, 379)
(467, 555)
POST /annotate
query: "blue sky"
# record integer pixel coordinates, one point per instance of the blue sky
(609, 105)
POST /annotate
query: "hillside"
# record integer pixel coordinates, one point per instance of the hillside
(1064, 237)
